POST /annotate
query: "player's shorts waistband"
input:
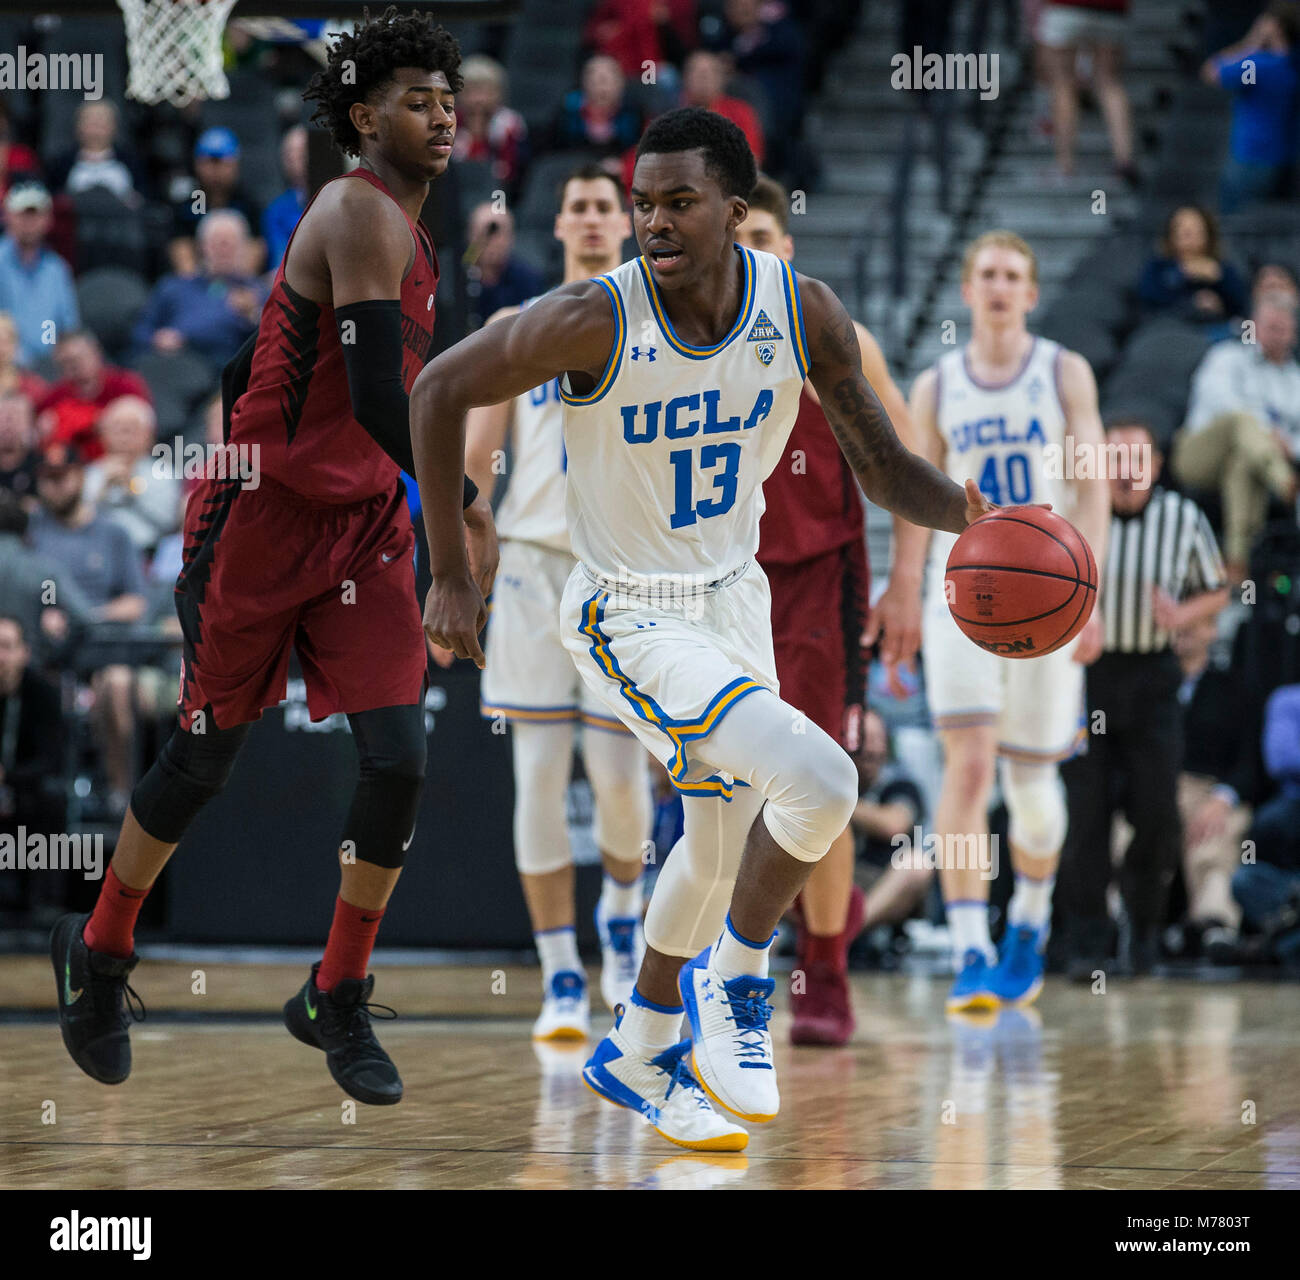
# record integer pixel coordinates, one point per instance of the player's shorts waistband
(662, 588)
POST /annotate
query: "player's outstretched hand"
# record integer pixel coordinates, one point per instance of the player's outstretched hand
(976, 503)
(454, 614)
(481, 544)
(896, 623)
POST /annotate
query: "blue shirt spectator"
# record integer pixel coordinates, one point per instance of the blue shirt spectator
(283, 212)
(35, 283)
(211, 313)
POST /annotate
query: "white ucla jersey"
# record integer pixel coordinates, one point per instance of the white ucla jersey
(668, 453)
(998, 434)
(533, 508)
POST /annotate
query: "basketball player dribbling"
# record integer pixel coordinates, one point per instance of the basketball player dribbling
(531, 681)
(992, 410)
(812, 546)
(676, 408)
(318, 557)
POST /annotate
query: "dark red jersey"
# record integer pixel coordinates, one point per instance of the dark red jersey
(297, 408)
(812, 495)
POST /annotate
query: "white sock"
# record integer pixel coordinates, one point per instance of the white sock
(968, 923)
(557, 949)
(734, 956)
(1031, 901)
(620, 901)
(650, 1028)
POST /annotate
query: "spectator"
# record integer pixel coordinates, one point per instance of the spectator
(35, 589)
(766, 44)
(488, 131)
(1260, 74)
(14, 378)
(122, 483)
(1269, 889)
(636, 32)
(496, 278)
(214, 311)
(283, 212)
(101, 561)
(889, 805)
(1163, 574)
(1274, 277)
(18, 458)
(1242, 435)
(216, 168)
(33, 794)
(17, 162)
(1101, 26)
(704, 80)
(1214, 789)
(1190, 278)
(98, 160)
(70, 409)
(35, 283)
(596, 116)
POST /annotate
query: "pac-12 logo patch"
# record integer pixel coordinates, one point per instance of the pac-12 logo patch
(766, 352)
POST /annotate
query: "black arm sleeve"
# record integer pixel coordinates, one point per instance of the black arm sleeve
(372, 356)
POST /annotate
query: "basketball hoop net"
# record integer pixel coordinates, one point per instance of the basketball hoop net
(174, 49)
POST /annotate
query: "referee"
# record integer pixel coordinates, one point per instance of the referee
(1163, 573)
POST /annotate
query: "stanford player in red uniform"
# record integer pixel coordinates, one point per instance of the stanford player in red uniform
(814, 553)
(317, 556)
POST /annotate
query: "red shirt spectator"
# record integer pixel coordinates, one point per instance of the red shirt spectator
(703, 80)
(634, 32)
(68, 412)
(487, 129)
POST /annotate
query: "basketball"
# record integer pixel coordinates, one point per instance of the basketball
(1021, 582)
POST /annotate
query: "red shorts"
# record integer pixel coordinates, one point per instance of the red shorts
(819, 608)
(266, 570)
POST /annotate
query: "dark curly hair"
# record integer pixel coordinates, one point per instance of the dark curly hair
(371, 54)
(727, 156)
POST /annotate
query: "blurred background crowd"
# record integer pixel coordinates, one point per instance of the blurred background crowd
(1146, 148)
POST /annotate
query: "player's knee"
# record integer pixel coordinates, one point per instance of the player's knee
(622, 818)
(813, 803)
(190, 770)
(1036, 807)
(968, 777)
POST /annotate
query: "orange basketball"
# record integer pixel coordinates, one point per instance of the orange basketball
(1021, 582)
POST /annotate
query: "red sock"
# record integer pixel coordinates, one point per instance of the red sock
(347, 952)
(111, 927)
(826, 949)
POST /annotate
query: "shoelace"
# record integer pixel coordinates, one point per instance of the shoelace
(116, 988)
(680, 1076)
(751, 1015)
(1022, 948)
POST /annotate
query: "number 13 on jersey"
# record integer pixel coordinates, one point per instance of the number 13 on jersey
(722, 462)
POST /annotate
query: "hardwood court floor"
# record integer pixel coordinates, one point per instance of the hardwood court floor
(1154, 1084)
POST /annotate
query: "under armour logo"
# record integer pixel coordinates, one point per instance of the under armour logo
(649, 353)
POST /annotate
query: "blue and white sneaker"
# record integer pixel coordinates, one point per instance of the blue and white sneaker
(1018, 975)
(973, 986)
(622, 948)
(566, 1013)
(663, 1090)
(731, 1051)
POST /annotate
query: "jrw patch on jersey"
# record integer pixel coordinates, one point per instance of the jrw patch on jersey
(766, 335)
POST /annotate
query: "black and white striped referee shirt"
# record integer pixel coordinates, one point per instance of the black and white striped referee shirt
(1169, 544)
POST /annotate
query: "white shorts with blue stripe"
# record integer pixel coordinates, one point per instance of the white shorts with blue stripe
(670, 662)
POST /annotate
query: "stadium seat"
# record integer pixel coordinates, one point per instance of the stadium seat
(536, 208)
(179, 380)
(110, 298)
(110, 233)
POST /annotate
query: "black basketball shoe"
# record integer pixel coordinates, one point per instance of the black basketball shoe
(338, 1021)
(95, 1002)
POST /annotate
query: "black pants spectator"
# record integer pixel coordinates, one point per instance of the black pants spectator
(1136, 760)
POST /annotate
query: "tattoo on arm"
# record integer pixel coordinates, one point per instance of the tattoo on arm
(891, 476)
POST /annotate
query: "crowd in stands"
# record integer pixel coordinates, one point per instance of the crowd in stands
(137, 254)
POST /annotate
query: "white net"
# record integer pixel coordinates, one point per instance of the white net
(174, 48)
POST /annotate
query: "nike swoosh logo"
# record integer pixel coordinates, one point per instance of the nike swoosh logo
(311, 1008)
(385, 557)
(69, 995)
(406, 844)
(369, 919)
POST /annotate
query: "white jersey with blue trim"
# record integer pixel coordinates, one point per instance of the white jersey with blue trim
(668, 452)
(998, 434)
(533, 507)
